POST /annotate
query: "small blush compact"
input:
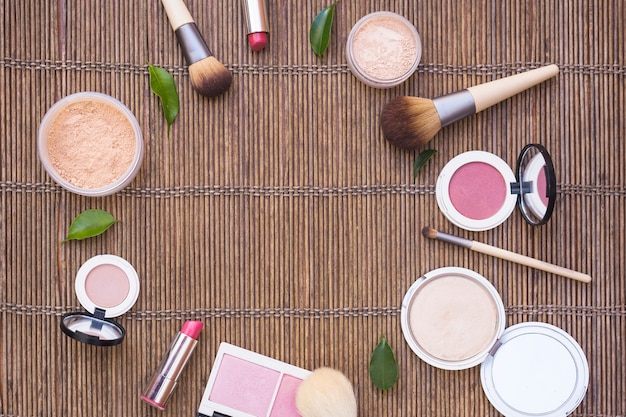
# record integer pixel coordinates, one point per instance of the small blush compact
(247, 384)
(106, 286)
(453, 318)
(478, 191)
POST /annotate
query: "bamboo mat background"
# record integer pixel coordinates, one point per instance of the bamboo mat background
(277, 213)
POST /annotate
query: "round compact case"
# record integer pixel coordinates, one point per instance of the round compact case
(478, 191)
(453, 318)
(107, 286)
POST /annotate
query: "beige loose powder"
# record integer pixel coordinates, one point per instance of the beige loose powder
(453, 318)
(384, 48)
(91, 144)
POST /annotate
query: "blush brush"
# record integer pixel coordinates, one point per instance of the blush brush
(505, 254)
(209, 77)
(409, 122)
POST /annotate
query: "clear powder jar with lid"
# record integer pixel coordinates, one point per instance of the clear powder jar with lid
(90, 144)
(383, 49)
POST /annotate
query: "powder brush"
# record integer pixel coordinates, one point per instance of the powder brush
(505, 254)
(209, 77)
(326, 393)
(409, 122)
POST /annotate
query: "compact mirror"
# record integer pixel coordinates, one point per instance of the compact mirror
(537, 187)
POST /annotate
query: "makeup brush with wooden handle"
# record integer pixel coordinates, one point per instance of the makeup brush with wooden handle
(326, 393)
(208, 76)
(505, 254)
(409, 122)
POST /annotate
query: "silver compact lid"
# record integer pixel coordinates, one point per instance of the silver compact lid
(536, 370)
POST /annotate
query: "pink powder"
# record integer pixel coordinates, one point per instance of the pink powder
(542, 186)
(244, 386)
(107, 285)
(285, 403)
(477, 190)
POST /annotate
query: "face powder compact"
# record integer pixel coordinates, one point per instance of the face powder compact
(106, 286)
(478, 191)
(453, 318)
(383, 49)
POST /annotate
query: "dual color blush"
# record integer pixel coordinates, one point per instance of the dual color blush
(244, 384)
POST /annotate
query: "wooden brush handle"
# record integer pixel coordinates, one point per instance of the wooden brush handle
(487, 94)
(177, 13)
(528, 261)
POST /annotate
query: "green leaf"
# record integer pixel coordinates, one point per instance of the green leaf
(162, 84)
(421, 160)
(89, 223)
(319, 34)
(383, 366)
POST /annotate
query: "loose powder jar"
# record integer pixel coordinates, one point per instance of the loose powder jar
(90, 144)
(383, 49)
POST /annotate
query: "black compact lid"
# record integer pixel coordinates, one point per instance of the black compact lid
(92, 329)
(537, 184)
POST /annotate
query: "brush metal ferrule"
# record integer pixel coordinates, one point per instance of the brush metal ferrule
(256, 16)
(454, 106)
(192, 43)
(455, 240)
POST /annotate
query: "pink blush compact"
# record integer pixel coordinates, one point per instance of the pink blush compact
(477, 190)
(106, 286)
(247, 384)
(474, 190)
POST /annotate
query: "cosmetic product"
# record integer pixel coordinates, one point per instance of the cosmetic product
(383, 49)
(243, 383)
(106, 286)
(326, 392)
(90, 144)
(409, 122)
(453, 318)
(255, 14)
(505, 254)
(165, 378)
(208, 76)
(478, 191)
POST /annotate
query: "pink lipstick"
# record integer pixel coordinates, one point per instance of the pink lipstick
(256, 22)
(164, 380)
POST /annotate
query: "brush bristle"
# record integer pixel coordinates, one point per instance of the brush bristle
(409, 122)
(210, 77)
(326, 393)
(429, 232)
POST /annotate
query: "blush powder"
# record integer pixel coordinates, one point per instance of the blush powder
(91, 144)
(107, 285)
(383, 49)
(477, 190)
(453, 318)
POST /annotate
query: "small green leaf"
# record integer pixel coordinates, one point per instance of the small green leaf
(421, 160)
(89, 223)
(162, 84)
(383, 366)
(319, 34)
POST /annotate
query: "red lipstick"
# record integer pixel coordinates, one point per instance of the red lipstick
(164, 380)
(256, 22)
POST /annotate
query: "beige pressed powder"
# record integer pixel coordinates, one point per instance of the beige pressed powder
(91, 144)
(383, 49)
(452, 318)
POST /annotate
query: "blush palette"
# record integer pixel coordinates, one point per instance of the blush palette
(247, 384)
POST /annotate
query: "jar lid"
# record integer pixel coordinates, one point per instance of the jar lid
(535, 369)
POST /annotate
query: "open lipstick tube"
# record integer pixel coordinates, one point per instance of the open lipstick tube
(166, 376)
